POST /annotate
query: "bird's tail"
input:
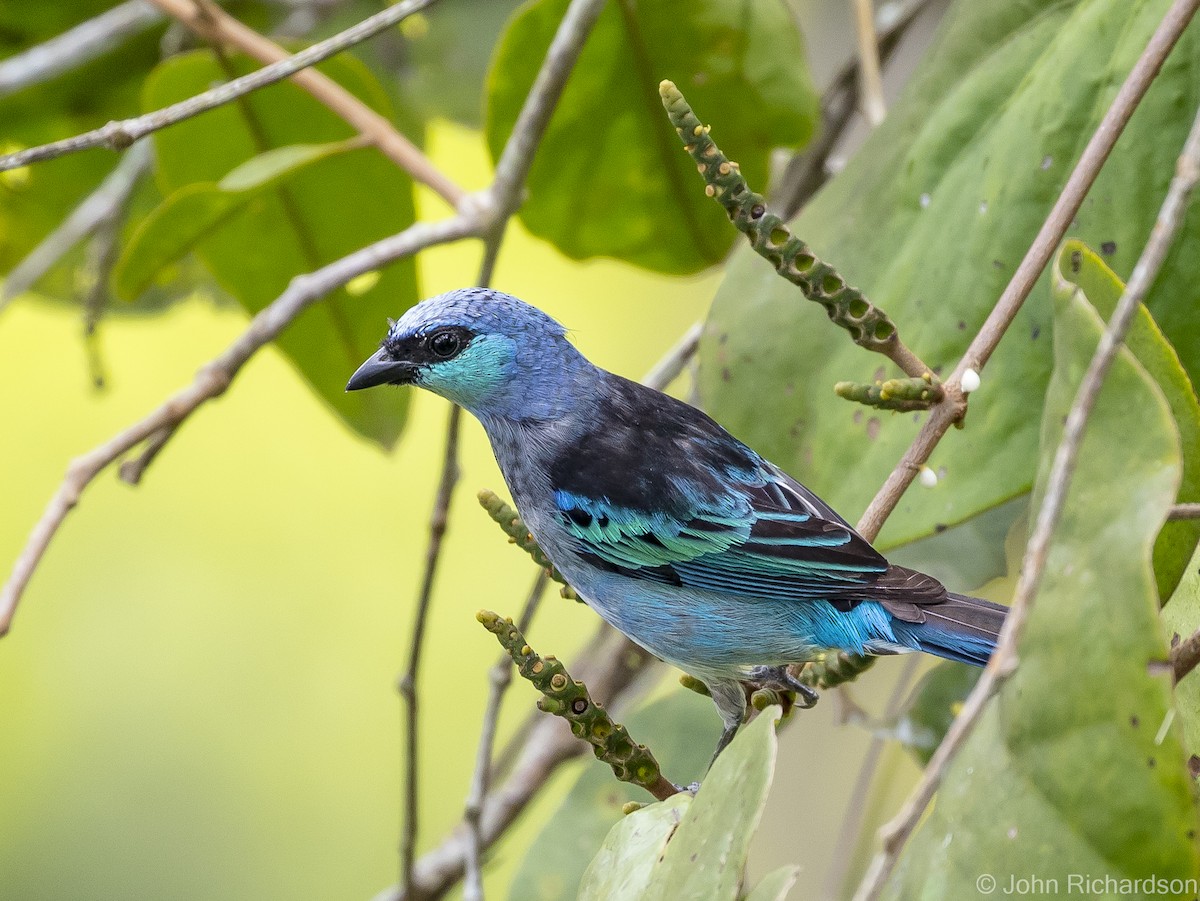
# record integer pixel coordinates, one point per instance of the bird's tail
(959, 628)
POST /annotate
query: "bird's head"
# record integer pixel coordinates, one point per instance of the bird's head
(491, 353)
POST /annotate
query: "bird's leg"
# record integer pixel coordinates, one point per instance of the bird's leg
(730, 699)
(780, 679)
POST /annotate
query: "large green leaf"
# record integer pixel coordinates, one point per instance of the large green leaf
(623, 866)
(197, 210)
(328, 207)
(1069, 773)
(930, 219)
(1079, 268)
(706, 853)
(674, 728)
(609, 178)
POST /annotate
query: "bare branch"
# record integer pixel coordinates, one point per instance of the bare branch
(1004, 659)
(98, 206)
(120, 134)
(438, 522)
(808, 169)
(213, 24)
(673, 362)
(1185, 656)
(214, 378)
(869, 79)
(77, 46)
(1184, 511)
(953, 407)
(102, 253)
(499, 678)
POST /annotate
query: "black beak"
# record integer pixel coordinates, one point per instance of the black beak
(381, 369)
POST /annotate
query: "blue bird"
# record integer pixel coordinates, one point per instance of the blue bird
(675, 532)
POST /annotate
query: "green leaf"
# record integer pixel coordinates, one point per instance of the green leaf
(35, 199)
(930, 219)
(969, 554)
(610, 178)
(276, 165)
(775, 885)
(706, 853)
(310, 201)
(197, 210)
(1069, 771)
(170, 231)
(623, 867)
(932, 706)
(674, 728)
(1181, 617)
(1079, 268)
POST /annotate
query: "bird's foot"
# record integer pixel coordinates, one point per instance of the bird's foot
(780, 679)
(691, 788)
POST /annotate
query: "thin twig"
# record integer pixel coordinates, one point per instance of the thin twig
(870, 81)
(500, 674)
(408, 683)
(76, 46)
(112, 193)
(499, 679)
(214, 378)
(808, 170)
(953, 407)
(1184, 511)
(1058, 482)
(1185, 656)
(675, 360)
(119, 134)
(213, 24)
(102, 254)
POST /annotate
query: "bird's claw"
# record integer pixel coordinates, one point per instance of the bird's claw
(806, 696)
(780, 679)
(691, 788)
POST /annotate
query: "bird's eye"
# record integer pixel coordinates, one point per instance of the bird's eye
(445, 344)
